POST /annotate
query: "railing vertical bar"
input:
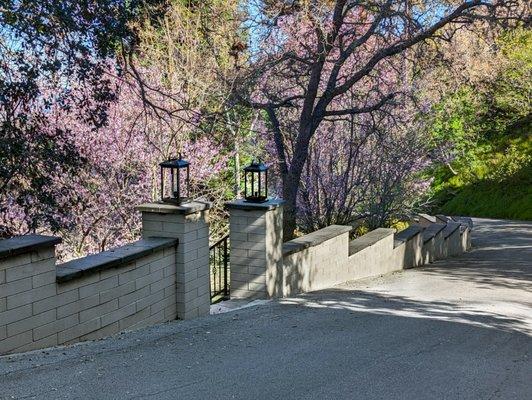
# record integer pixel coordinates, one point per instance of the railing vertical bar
(219, 265)
(225, 268)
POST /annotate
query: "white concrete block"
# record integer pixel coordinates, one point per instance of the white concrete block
(15, 314)
(77, 283)
(98, 311)
(56, 326)
(39, 344)
(11, 343)
(43, 254)
(147, 301)
(30, 323)
(149, 279)
(78, 306)
(129, 276)
(31, 296)
(12, 262)
(134, 296)
(97, 287)
(29, 270)
(78, 330)
(116, 292)
(127, 322)
(102, 332)
(159, 285)
(43, 279)
(117, 315)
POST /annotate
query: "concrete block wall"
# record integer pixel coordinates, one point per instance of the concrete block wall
(433, 242)
(256, 249)
(135, 294)
(408, 247)
(372, 254)
(46, 305)
(425, 220)
(27, 274)
(161, 277)
(466, 225)
(326, 257)
(316, 260)
(452, 239)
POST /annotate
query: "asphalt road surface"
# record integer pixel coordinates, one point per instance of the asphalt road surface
(457, 329)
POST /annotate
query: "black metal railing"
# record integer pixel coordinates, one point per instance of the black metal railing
(219, 270)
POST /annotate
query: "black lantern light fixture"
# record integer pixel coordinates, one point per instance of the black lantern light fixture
(176, 172)
(256, 182)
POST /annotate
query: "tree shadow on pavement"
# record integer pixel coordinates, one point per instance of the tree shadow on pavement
(392, 305)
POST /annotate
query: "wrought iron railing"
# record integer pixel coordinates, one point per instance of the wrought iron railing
(219, 270)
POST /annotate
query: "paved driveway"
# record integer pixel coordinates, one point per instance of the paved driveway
(459, 329)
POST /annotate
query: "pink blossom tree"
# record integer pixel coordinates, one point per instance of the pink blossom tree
(121, 171)
(321, 61)
(116, 168)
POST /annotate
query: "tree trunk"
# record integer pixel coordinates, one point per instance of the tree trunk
(291, 176)
(291, 183)
(290, 190)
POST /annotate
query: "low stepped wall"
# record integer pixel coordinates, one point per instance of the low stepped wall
(43, 304)
(408, 248)
(316, 260)
(326, 257)
(159, 278)
(262, 266)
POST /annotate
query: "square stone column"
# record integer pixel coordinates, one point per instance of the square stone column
(189, 224)
(256, 240)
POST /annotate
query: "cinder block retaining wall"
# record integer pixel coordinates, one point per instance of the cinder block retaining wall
(326, 257)
(42, 305)
(316, 260)
(162, 277)
(166, 274)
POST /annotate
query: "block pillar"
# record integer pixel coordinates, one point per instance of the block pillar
(256, 240)
(189, 224)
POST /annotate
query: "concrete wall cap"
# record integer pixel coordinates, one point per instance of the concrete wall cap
(167, 208)
(314, 238)
(241, 204)
(450, 228)
(111, 258)
(24, 244)
(431, 231)
(442, 218)
(428, 217)
(369, 239)
(406, 234)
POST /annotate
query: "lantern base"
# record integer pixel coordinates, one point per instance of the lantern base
(256, 199)
(177, 201)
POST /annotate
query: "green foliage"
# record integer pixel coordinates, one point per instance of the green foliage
(510, 198)
(491, 173)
